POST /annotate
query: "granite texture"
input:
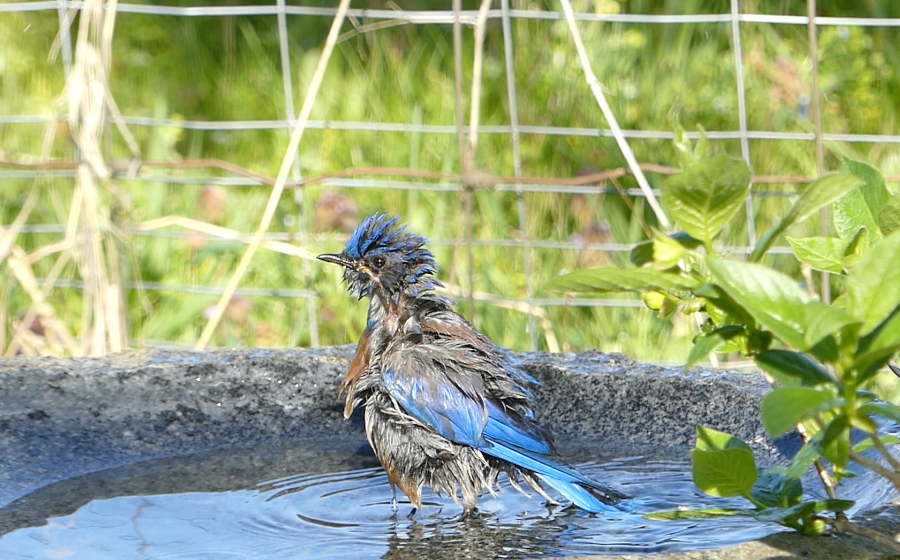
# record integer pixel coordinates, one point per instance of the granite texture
(63, 418)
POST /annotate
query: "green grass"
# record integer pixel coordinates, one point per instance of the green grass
(229, 69)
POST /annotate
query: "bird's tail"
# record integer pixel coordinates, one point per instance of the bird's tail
(584, 492)
(594, 497)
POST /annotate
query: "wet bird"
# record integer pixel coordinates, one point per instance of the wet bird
(445, 407)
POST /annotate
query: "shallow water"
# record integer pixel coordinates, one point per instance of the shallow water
(252, 504)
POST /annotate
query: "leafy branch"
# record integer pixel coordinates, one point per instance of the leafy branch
(818, 357)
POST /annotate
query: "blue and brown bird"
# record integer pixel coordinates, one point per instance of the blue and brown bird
(445, 407)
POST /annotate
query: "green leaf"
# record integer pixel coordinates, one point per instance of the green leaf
(792, 369)
(784, 516)
(775, 488)
(707, 513)
(874, 191)
(833, 505)
(784, 408)
(701, 150)
(876, 348)
(806, 457)
(721, 300)
(889, 217)
(704, 197)
(822, 192)
(706, 343)
(850, 213)
(725, 473)
(826, 350)
(836, 442)
(683, 148)
(821, 253)
(823, 320)
(759, 341)
(621, 280)
(778, 303)
(868, 444)
(872, 285)
(862, 421)
(709, 439)
(883, 409)
(723, 464)
(666, 252)
(771, 298)
(790, 516)
(641, 253)
(856, 248)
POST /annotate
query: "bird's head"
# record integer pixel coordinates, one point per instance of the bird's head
(383, 259)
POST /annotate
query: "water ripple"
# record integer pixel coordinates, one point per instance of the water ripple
(348, 513)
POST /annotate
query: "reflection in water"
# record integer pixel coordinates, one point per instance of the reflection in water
(213, 506)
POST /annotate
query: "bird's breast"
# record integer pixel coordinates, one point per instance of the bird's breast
(360, 363)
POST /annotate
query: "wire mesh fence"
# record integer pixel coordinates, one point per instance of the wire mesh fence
(536, 213)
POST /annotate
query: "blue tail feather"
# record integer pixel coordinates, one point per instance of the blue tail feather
(584, 492)
(579, 495)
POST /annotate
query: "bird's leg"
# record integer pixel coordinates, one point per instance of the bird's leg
(394, 498)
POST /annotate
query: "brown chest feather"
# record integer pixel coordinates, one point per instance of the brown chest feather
(360, 363)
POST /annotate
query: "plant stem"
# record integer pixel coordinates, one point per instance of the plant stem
(843, 525)
(824, 475)
(756, 503)
(872, 465)
(827, 481)
(879, 445)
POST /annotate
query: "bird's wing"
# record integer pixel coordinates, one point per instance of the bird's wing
(434, 384)
(441, 384)
(443, 400)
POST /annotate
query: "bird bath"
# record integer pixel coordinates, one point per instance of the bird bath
(245, 454)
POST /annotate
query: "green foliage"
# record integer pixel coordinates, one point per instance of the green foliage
(820, 253)
(705, 195)
(817, 195)
(818, 355)
(723, 464)
(784, 408)
(889, 217)
(229, 69)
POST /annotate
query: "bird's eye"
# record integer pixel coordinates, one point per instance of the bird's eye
(378, 262)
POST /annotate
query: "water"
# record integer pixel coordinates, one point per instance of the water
(252, 504)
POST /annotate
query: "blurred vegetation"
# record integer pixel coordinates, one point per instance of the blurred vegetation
(229, 68)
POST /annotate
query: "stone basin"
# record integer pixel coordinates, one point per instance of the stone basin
(111, 425)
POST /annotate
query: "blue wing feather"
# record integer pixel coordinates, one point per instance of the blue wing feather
(439, 405)
(502, 429)
(433, 399)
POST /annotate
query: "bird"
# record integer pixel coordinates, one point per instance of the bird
(445, 407)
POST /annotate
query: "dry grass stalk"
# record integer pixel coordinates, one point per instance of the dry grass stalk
(223, 233)
(34, 312)
(21, 269)
(8, 237)
(278, 189)
(104, 325)
(610, 117)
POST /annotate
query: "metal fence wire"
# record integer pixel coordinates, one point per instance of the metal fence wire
(84, 54)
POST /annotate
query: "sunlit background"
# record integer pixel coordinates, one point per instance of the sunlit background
(192, 81)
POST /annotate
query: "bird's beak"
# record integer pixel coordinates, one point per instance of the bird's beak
(336, 258)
